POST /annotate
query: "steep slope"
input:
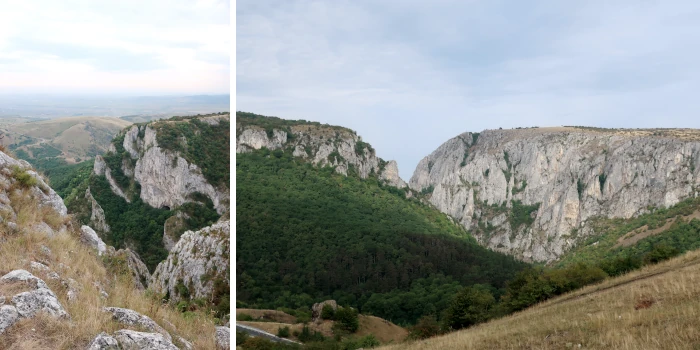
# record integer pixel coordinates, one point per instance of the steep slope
(159, 180)
(533, 193)
(653, 308)
(318, 218)
(62, 288)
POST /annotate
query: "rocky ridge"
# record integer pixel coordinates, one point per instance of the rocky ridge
(322, 145)
(197, 260)
(533, 192)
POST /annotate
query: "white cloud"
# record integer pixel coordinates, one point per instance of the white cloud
(151, 43)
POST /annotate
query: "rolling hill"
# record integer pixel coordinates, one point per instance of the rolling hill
(71, 139)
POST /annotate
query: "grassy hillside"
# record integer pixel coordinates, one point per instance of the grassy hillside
(620, 242)
(307, 234)
(652, 308)
(60, 141)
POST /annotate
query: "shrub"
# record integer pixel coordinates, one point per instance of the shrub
(241, 337)
(470, 306)
(327, 313)
(23, 177)
(659, 253)
(244, 317)
(283, 332)
(426, 327)
(307, 336)
(369, 341)
(346, 318)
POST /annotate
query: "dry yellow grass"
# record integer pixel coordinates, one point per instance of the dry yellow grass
(70, 259)
(602, 316)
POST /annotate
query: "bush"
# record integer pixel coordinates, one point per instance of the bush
(346, 318)
(241, 337)
(23, 177)
(426, 327)
(244, 317)
(283, 332)
(470, 306)
(659, 253)
(307, 336)
(620, 265)
(369, 341)
(327, 313)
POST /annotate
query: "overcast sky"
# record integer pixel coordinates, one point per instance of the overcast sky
(408, 75)
(134, 47)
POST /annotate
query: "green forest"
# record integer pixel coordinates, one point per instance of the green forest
(306, 234)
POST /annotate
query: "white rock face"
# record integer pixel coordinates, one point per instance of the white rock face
(103, 341)
(89, 237)
(196, 254)
(223, 338)
(572, 174)
(8, 317)
(133, 318)
(132, 340)
(322, 145)
(97, 215)
(167, 179)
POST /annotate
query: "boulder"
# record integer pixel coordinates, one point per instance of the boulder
(132, 340)
(318, 307)
(30, 303)
(8, 317)
(23, 276)
(103, 341)
(133, 318)
(89, 237)
(223, 338)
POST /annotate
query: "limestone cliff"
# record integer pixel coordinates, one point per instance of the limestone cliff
(533, 192)
(322, 145)
(196, 262)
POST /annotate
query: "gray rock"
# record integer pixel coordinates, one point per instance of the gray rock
(23, 276)
(572, 174)
(43, 228)
(45, 250)
(100, 165)
(103, 341)
(8, 317)
(97, 214)
(41, 299)
(37, 266)
(186, 345)
(317, 308)
(321, 142)
(132, 340)
(223, 338)
(196, 254)
(89, 237)
(133, 318)
(167, 179)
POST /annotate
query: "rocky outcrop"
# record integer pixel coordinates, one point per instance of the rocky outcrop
(133, 340)
(223, 338)
(196, 261)
(317, 309)
(89, 237)
(133, 318)
(172, 224)
(166, 178)
(38, 298)
(139, 270)
(557, 180)
(103, 341)
(321, 145)
(97, 215)
(101, 168)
